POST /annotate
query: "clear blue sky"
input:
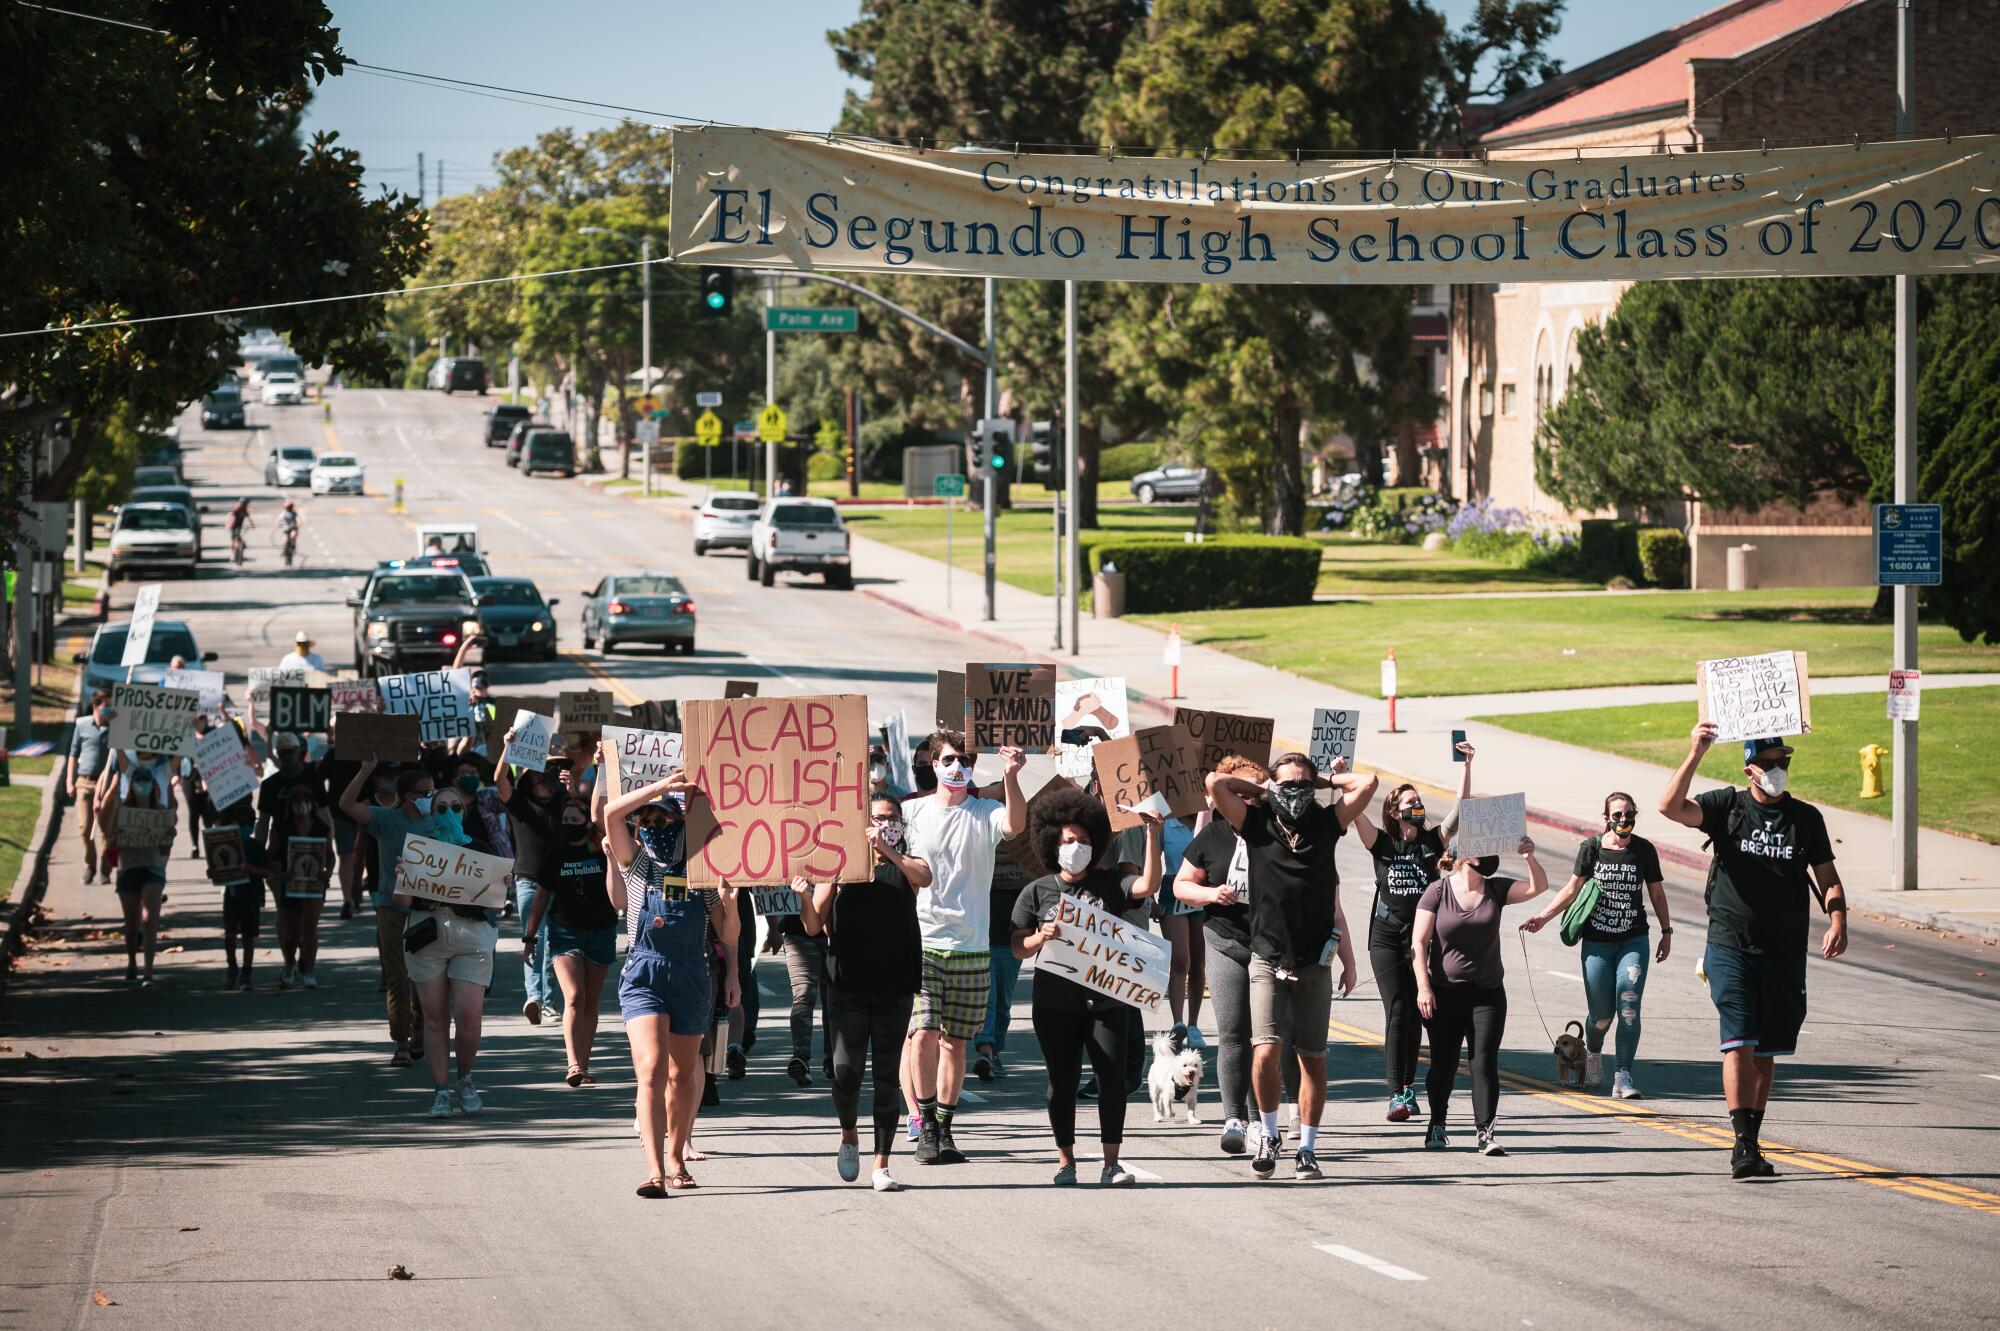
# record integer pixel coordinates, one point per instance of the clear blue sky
(762, 62)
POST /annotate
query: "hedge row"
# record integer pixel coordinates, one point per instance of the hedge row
(1225, 573)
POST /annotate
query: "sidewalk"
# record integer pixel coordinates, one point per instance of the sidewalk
(1961, 876)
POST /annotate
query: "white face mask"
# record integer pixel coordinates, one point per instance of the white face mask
(953, 777)
(1073, 856)
(1773, 782)
(878, 773)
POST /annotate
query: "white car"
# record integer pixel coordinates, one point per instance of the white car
(724, 520)
(154, 536)
(284, 389)
(337, 473)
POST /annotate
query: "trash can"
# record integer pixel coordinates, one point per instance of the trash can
(1107, 594)
(1742, 561)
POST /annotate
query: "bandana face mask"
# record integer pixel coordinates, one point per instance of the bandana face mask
(1291, 799)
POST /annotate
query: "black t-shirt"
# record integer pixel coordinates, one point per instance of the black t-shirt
(535, 830)
(336, 774)
(1758, 894)
(1403, 869)
(1293, 885)
(276, 790)
(575, 874)
(1107, 889)
(1621, 877)
(874, 946)
(1218, 852)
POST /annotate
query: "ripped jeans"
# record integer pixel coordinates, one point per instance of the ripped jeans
(1614, 984)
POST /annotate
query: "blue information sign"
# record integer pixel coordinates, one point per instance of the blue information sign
(1909, 545)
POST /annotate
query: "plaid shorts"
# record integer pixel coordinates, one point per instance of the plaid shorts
(954, 994)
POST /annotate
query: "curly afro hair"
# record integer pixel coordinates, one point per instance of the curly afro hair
(1058, 811)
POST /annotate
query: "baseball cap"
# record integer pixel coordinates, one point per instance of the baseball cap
(286, 741)
(1754, 747)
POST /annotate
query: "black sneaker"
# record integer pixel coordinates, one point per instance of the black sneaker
(230, 983)
(796, 1070)
(1088, 1091)
(982, 1067)
(1305, 1164)
(928, 1147)
(734, 1060)
(346, 910)
(1765, 1169)
(948, 1152)
(710, 1097)
(1746, 1161)
(1265, 1162)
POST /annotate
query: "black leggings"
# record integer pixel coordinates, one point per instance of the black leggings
(1462, 1010)
(860, 1022)
(1066, 1031)
(1402, 1026)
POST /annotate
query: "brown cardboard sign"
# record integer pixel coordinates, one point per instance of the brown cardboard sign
(658, 714)
(223, 848)
(1010, 705)
(145, 828)
(786, 786)
(1219, 734)
(739, 688)
(951, 699)
(390, 736)
(583, 709)
(307, 865)
(1159, 760)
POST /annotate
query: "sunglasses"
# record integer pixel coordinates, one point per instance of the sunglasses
(951, 760)
(1766, 764)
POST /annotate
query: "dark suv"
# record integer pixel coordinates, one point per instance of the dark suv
(405, 621)
(501, 418)
(548, 450)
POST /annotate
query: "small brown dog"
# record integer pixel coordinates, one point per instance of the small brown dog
(1570, 1053)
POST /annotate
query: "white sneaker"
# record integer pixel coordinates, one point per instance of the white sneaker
(849, 1161)
(441, 1103)
(1291, 1113)
(1194, 1038)
(284, 977)
(1232, 1137)
(1593, 1069)
(311, 980)
(1622, 1087)
(881, 1182)
(468, 1096)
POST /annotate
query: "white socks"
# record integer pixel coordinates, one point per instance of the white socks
(1269, 1118)
(1309, 1137)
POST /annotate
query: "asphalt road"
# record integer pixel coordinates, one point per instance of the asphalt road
(220, 1160)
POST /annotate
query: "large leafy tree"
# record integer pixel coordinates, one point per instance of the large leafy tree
(162, 172)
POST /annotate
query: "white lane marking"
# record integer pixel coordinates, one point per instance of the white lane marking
(1562, 975)
(1375, 1264)
(973, 1096)
(1990, 1076)
(1143, 1175)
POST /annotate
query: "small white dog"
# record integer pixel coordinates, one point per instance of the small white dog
(1175, 1075)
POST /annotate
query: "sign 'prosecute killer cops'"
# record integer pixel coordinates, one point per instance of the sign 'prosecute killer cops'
(785, 786)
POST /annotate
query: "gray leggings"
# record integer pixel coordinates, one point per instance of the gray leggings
(804, 958)
(1229, 998)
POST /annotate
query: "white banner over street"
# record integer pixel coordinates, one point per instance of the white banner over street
(779, 199)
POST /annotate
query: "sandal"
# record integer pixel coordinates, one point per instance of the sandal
(589, 1080)
(575, 1075)
(682, 1182)
(653, 1189)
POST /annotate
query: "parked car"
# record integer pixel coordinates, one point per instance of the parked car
(548, 450)
(337, 474)
(723, 521)
(148, 477)
(517, 435)
(515, 618)
(284, 389)
(222, 408)
(800, 536)
(171, 638)
(406, 621)
(450, 373)
(639, 607)
(289, 464)
(173, 494)
(1171, 482)
(501, 418)
(153, 536)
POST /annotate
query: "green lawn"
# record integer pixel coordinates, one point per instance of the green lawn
(1565, 642)
(19, 806)
(1958, 790)
(1024, 543)
(1378, 568)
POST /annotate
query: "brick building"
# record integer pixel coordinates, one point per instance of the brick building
(1749, 71)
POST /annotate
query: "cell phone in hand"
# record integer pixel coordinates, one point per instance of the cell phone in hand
(1457, 738)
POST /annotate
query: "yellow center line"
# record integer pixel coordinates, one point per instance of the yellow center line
(598, 672)
(1912, 1185)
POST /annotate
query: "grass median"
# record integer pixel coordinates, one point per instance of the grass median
(19, 808)
(1957, 791)
(1566, 642)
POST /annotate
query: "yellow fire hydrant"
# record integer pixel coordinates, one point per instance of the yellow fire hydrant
(1871, 770)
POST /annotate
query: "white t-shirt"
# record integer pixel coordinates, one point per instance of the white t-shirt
(958, 843)
(294, 660)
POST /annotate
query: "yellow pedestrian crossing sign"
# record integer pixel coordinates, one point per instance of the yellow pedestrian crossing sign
(708, 429)
(771, 424)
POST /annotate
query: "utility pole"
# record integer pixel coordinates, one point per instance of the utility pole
(1903, 774)
(420, 180)
(646, 318)
(989, 482)
(770, 384)
(440, 192)
(1071, 537)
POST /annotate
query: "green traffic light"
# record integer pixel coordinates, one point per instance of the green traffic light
(715, 300)
(999, 463)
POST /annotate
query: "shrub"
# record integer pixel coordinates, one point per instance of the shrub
(825, 465)
(1122, 462)
(1227, 573)
(1402, 515)
(1663, 556)
(882, 445)
(1609, 547)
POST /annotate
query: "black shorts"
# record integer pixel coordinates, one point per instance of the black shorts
(1760, 998)
(243, 905)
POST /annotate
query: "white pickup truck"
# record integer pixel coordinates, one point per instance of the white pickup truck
(801, 536)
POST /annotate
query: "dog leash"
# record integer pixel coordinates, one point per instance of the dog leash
(1528, 968)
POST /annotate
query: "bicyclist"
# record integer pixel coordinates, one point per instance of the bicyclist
(239, 525)
(288, 528)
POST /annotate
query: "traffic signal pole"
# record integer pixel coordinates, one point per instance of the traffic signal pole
(1903, 774)
(989, 482)
(770, 386)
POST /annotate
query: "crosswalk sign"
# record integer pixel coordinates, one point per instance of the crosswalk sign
(771, 424)
(708, 429)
